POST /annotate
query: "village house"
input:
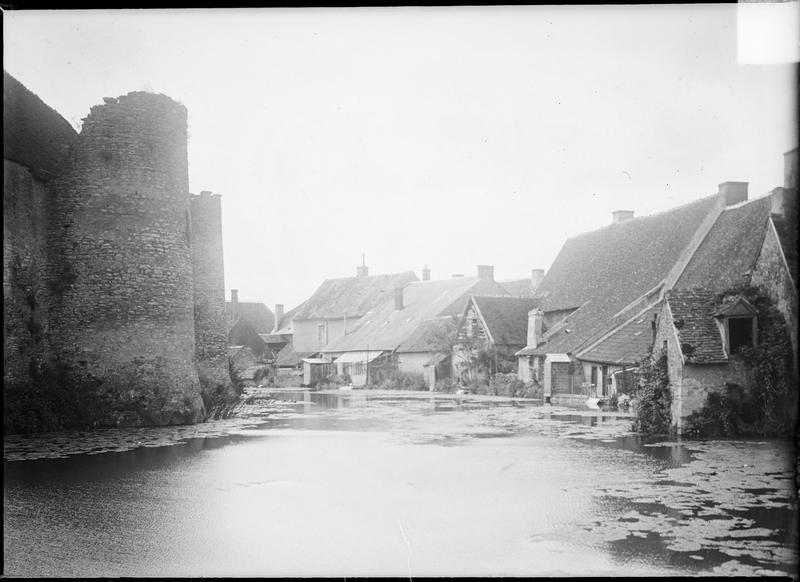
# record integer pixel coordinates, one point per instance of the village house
(704, 321)
(407, 334)
(335, 307)
(614, 294)
(328, 314)
(247, 322)
(496, 326)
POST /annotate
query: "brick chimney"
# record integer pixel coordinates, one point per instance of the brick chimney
(363, 270)
(486, 272)
(398, 298)
(731, 193)
(426, 274)
(790, 169)
(535, 324)
(536, 278)
(618, 216)
(234, 304)
(278, 316)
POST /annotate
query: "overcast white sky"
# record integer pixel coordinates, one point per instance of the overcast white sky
(447, 136)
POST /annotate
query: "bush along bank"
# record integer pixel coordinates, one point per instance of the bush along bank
(767, 405)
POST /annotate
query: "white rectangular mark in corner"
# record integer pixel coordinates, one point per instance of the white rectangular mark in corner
(768, 32)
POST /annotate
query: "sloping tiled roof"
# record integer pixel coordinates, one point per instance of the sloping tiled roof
(34, 134)
(628, 344)
(385, 328)
(288, 357)
(353, 296)
(518, 287)
(730, 248)
(506, 318)
(605, 270)
(693, 318)
(429, 336)
(258, 315)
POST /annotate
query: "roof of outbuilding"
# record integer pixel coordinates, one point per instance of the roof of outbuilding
(730, 249)
(506, 317)
(258, 315)
(288, 357)
(34, 134)
(385, 328)
(629, 343)
(693, 319)
(603, 271)
(351, 296)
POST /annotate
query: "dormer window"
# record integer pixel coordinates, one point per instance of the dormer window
(738, 324)
(741, 333)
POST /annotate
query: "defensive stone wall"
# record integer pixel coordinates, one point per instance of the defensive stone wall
(121, 265)
(25, 300)
(211, 344)
(113, 281)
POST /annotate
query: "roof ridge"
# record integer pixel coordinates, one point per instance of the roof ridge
(645, 216)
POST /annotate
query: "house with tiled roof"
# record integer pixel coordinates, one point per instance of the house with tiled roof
(612, 295)
(336, 306)
(496, 325)
(703, 322)
(407, 333)
(247, 322)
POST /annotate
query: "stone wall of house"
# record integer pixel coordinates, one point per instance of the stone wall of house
(699, 380)
(770, 272)
(667, 340)
(25, 298)
(209, 289)
(121, 263)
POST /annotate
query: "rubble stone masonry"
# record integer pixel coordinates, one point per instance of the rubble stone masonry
(211, 342)
(112, 273)
(121, 266)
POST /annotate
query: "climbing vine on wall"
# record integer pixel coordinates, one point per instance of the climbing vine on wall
(653, 396)
(767, 406)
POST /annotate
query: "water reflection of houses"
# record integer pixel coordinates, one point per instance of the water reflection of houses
(407, 333)
(614, 293)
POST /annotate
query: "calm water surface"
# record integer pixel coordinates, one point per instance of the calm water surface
(346, 485)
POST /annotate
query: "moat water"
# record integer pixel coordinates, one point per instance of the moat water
(360, 484)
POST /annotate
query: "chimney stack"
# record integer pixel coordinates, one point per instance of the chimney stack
(278, 316)
(486, 272)
(234, 304)
(398, 298)
(731, 193)
(536, 278)
(535, 326)
(618, 216)
(363, 270)
(426, 274)
(790, 169)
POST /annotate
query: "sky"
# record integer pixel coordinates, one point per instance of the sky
(447, 137)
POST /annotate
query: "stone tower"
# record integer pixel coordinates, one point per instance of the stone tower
(121, 263)
(211, 342)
